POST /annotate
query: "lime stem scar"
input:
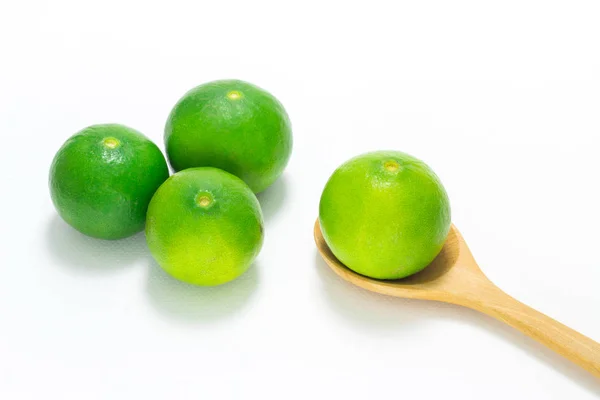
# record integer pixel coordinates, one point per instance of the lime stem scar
(111, 142)
(391, 165)
(234, 95)
(204, 199)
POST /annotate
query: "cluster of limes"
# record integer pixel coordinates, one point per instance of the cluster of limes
(226, 140)
(383, 214)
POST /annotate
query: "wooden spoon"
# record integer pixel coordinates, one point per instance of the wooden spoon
(454, 277)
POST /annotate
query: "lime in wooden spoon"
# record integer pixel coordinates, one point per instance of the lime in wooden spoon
(454, 277)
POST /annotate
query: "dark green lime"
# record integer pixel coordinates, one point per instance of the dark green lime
(103, 178)
(231, 125)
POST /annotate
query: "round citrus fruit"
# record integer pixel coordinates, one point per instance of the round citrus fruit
(231, 125)
(103, 178)
(384, 214)
(204, 226)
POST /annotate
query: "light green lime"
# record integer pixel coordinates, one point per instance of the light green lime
(204, 226)
(384, 214)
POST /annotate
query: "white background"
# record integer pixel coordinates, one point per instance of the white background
(502, 99)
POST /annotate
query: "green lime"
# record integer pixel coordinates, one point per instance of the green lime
(204, 226)
(384, 214)
(231, 125)
(103, 178)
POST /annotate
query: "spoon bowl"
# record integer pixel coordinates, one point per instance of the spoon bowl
(454, 277)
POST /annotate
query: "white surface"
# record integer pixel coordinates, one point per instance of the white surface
(500, 98)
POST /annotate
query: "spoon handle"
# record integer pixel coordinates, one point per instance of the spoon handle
(569, 343)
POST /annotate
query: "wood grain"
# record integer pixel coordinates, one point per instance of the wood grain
(454, 277)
